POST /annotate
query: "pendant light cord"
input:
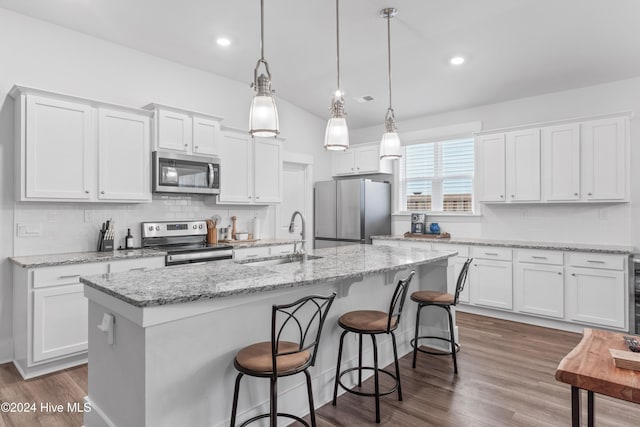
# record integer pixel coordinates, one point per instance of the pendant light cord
(389, 55)
(338, 41)
(262, 30)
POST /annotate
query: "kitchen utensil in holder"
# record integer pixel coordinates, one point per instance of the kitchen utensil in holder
(212, 235)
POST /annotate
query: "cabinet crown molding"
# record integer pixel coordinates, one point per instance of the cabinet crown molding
(19, 90)
(155, 106)
(629, 114)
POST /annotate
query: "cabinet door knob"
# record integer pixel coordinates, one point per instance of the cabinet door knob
(512, 196)
(185, 145)
(575, 194)
(590, 194)
(86, 191)
(559, 273)
(102, 192)
(502, 196)
(257, 197)
(573, 274)
(196, 147)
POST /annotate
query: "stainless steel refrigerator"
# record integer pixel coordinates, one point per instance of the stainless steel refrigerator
(350, 211)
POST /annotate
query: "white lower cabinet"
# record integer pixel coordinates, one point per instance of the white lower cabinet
(491, 283)
(597, 296)
(539, 288)
(491, 277)
(50, 313)
(262, 251)
(59, 321)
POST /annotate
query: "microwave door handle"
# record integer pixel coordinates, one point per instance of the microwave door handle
(211, 175)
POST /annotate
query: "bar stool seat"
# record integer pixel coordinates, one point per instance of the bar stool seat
(445, 301)
(366, 321)
(295, 335)
(257, 358)
(372, 323)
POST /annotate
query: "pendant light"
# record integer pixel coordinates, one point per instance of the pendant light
(390, 144)
(263, 116)
(336, 136)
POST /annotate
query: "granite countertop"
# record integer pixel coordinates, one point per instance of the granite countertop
(210, 280)
(52, 260)
(576, 247)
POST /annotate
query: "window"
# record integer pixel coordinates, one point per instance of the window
(437, 177)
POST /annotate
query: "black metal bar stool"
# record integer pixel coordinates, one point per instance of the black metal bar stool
(300, 324)
(446, 301)
(372, 323)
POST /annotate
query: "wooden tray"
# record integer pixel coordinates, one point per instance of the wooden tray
(625, 359)
(428, 236)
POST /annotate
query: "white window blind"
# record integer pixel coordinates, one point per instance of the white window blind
(437, 177)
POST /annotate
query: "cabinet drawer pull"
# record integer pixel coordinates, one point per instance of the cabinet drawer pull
(284, 252)
(595, 261)
(138, 269)
(491, 253)
(252, 256)
(69, 276)
(539, 257)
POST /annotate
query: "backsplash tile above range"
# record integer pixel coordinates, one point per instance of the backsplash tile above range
(71, 227)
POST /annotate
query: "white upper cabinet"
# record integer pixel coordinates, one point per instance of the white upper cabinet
(57, 150)
(359, 161)
(604, 155)
(236, 174)
(185, 131)
(267, 155)
(561, 162)
(73, 149)
(491, 160)
(523, 166)
(251, 169)
(584, 161)
(123, 156)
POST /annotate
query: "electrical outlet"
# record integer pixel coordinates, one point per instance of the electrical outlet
(88, 216)
(29, 230)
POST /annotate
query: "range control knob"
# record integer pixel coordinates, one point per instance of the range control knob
(200, 226)
(151, 228)
(157, 228)
(195, 226)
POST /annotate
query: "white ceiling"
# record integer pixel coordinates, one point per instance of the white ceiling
(514, 48)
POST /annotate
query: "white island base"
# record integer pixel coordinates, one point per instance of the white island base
(172, 365)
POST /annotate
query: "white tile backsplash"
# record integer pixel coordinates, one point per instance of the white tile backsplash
(64, 228)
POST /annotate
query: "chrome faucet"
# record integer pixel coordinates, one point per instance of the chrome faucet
(302, 234)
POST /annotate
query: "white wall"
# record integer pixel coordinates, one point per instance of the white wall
(46, 56)
(579, 223)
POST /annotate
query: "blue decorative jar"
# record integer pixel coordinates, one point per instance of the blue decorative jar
(434, 228)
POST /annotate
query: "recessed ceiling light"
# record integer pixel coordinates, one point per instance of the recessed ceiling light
(457, 60)
(223, 41)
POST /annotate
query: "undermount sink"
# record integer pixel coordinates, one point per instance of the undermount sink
(279, 260)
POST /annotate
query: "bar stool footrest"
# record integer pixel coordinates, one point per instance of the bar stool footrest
(280, 414)
(437, 352)
(362, 393)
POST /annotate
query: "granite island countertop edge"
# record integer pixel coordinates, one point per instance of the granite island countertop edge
(278, 277)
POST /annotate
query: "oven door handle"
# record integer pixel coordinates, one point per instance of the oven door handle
(204, 255)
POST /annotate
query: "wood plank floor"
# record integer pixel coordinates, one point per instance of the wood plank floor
(506, 378)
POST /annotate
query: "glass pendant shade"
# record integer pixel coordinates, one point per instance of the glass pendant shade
(336, 136)
(263, 117)
(390, 146)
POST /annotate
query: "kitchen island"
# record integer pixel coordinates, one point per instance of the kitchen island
(167, 359)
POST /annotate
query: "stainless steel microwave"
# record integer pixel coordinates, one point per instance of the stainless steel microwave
(182, 173)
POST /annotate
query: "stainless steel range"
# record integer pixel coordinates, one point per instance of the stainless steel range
(184, 241)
